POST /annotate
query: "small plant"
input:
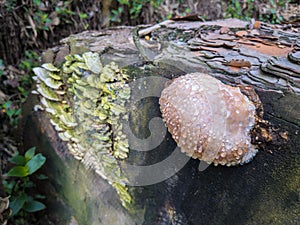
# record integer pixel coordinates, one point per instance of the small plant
(27, 64)
(64, 9)
(134, 7)
(234, 9)
(42, 20)
(30, 61)
(11, 106)
(10, 5)
(267, 11)
(66, 14)
(116, 14)
(12, 112)
(21, 202)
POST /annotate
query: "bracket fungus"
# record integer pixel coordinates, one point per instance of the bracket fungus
(211, 121)
(86, 103)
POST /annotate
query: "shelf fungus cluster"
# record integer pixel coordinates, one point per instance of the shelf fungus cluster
(211, 121)
(86, 103)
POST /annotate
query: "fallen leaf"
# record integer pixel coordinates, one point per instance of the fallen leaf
(256, 24)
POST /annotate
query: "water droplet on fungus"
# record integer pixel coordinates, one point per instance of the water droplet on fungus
(226, 117)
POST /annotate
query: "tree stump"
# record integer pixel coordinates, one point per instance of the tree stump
(264, 191)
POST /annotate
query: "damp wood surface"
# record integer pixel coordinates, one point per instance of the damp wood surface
(265, 191)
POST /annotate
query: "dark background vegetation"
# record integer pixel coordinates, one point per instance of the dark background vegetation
(27, 27)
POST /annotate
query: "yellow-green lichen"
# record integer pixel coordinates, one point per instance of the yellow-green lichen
(86, 102)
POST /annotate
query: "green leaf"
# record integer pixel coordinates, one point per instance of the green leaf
(17, 204)
(10, 112)
(37, 2)
(124, 2)
(35, 163)
(33, 206)
(18, 112)
(38, 196)
(8, 186)
(18, 171)
(42, 177)
(83, 15)
(29, 184)
(7, 104)
(18, 160)
(30, 153)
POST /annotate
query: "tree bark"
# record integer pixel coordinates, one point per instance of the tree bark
(265, 191)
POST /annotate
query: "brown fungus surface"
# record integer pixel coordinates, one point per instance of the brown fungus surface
(209, 120)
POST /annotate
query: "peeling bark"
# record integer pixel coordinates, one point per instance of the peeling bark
(264, 56)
